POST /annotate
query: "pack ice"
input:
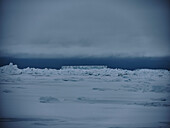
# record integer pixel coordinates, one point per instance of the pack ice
(84, 97)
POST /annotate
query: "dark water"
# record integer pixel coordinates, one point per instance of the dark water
(123, 63)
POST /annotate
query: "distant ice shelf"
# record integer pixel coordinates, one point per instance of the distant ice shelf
(84, 67)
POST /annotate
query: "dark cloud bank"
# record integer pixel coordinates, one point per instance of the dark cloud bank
(102, 32)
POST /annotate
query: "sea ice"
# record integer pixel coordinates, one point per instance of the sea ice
(84, 97)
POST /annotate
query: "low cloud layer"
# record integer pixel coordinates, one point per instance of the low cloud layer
(92, 28)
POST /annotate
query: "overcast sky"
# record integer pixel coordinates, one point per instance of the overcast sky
(84, 28)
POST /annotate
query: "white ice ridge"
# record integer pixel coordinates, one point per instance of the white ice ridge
(77, 71)
(84, 67)
(142, 79)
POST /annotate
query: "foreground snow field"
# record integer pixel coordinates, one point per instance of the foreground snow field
(84, 97)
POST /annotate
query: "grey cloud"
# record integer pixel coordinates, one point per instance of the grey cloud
(84, 28)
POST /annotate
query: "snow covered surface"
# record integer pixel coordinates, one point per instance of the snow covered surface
(84, 97)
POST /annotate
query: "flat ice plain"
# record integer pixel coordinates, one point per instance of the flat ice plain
(84, 97)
